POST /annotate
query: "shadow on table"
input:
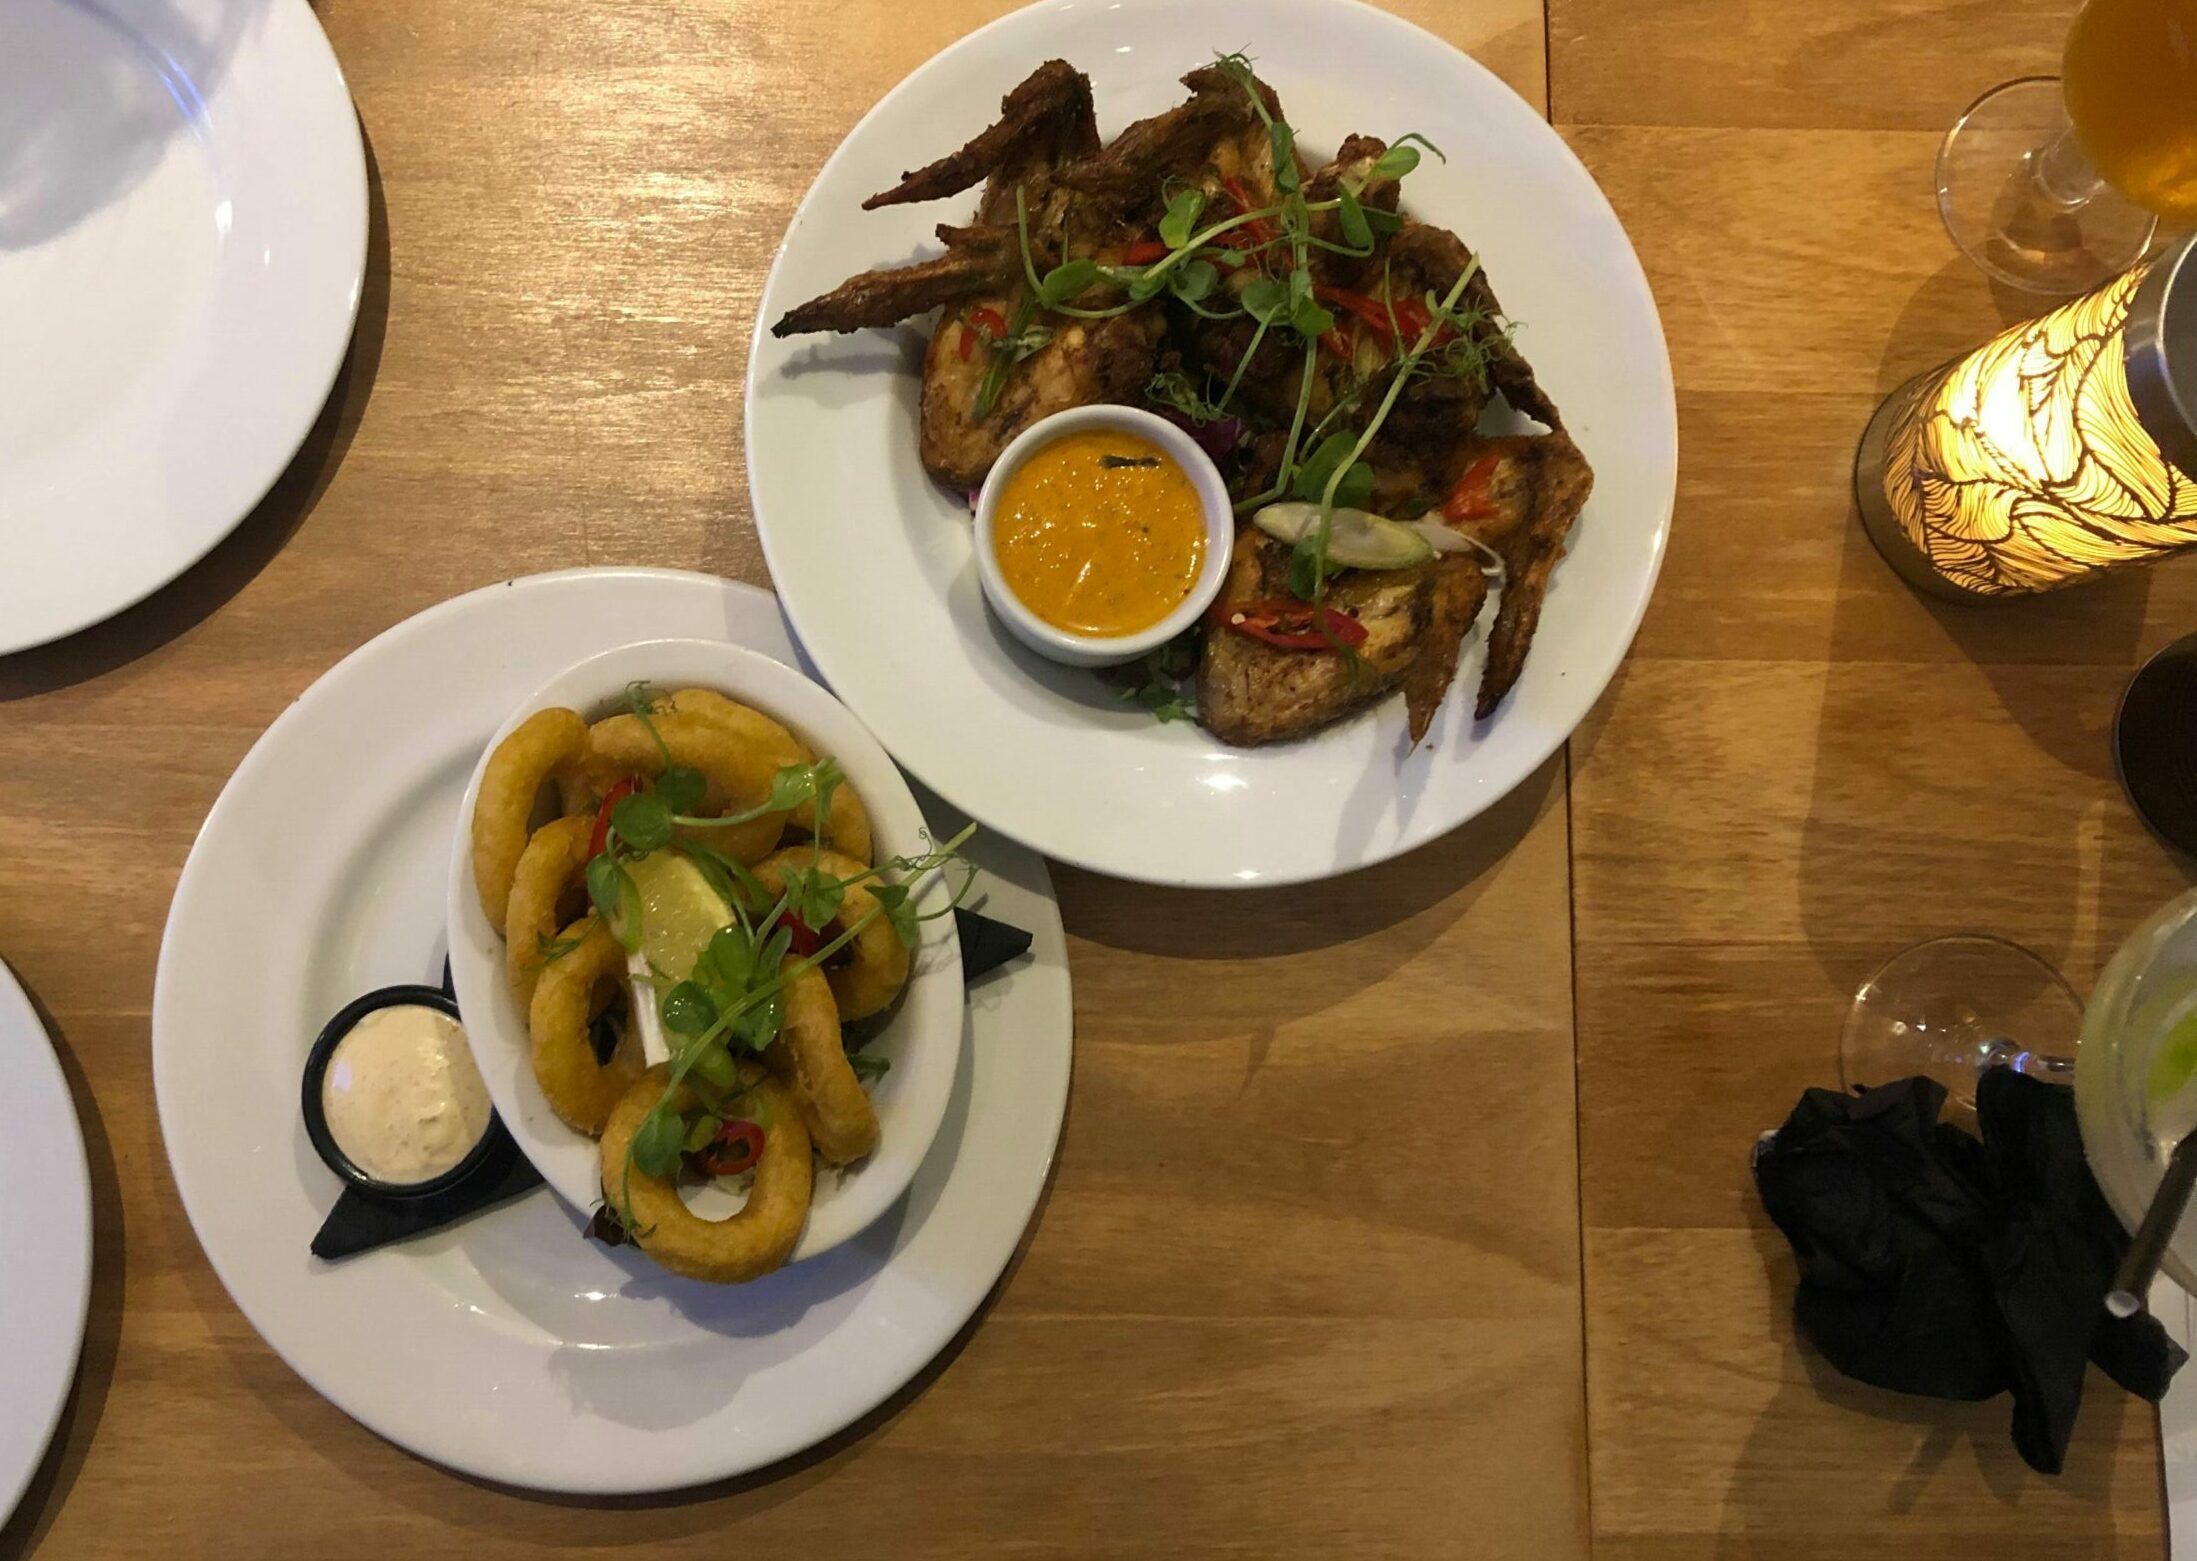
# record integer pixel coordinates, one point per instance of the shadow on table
(56, 1477)
(1879, 858)
(1759, 1519)
(195, 595)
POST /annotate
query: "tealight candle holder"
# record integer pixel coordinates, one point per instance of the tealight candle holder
(2061, 448)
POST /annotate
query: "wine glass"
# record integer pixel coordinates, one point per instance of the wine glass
(1951, 1007)
(2055, 184)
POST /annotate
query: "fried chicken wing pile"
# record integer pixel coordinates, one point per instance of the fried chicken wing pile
(1333, 347)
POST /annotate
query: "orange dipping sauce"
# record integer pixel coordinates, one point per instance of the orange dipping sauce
(1100, 533)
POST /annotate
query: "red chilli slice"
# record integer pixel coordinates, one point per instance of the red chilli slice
(736, 1148)
(1286, 624)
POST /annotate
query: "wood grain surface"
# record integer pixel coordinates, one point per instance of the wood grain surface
(1340, 1258)
(1307, 1279)
(1804, 767)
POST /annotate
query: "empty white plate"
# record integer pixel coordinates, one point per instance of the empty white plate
(182, 243)
(45, 1242)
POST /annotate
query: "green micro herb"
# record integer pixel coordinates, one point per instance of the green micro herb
(679, 788)
(643, 701)
(1185, 273)
(790, 787)
(1172, 388)
(642, 822)
(1023, 339)
(1158, 681)
(617, 899)
(813, 896)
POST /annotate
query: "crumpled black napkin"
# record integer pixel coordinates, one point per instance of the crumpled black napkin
(1933, 1263)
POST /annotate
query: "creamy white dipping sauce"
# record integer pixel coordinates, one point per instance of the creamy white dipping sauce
(403, 1098)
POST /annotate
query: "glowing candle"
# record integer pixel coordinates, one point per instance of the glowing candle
(2060, 448)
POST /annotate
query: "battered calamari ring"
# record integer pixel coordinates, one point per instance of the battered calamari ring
(847, 825)
(553, 864)
(729, 1251)
(544, 742)
(739, 774)
(877, 967)
(571, 990)
(809, 1051)
(582, 784)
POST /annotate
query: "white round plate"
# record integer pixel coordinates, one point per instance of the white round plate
(921, 1040)
(508, 1346)
(857, 536)
(182, 243)
(45, 1242)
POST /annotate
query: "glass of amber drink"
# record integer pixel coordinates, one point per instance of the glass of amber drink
(2055, 184)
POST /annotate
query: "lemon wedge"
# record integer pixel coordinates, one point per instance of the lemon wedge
(2173, 1062)
(680, 912)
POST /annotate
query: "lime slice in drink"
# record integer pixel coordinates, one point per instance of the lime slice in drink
(680, 912)
(2173, 1062)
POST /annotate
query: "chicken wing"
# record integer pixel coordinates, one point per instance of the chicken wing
(1438, 256)
(1537, 487)
(1084, 361)
(1460, 590)
(1129, 173)
(1045, 121)
(1250, 692)
(1048, 119)
(977, 260)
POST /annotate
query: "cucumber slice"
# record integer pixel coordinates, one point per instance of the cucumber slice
(1358, 538)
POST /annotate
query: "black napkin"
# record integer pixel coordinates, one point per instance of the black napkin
(987, 944)
(362, 1221)
(1933, 1263)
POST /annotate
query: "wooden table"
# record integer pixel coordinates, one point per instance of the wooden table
(1407, 1215)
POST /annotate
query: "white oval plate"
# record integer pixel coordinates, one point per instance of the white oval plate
(182, 243)
(922, 1041)
(507, 1346)
(857, 536)
(45, 1242)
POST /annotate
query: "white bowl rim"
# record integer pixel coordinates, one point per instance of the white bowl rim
(1220, 534)
(923, 1036)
